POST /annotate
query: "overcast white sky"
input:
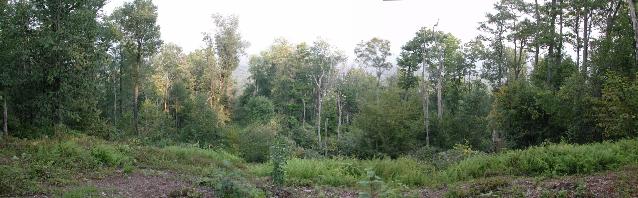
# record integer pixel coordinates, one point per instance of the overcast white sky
(344, 23)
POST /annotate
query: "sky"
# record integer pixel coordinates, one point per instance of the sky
(343, 23)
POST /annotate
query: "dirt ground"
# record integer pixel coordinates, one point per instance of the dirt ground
(156, 184)
(150, 183)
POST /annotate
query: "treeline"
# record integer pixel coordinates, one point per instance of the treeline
(541, 71)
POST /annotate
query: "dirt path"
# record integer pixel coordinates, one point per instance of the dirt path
(144, 184)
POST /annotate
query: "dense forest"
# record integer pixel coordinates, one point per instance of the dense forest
(541, 72)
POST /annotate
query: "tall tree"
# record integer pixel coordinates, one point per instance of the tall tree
(141, 37)
(229, 47)
(323, 61)
(634, 22)
(374, 53)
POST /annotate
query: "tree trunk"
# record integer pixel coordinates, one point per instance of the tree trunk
(536, 42)
(136, 88)
(439, 89)
(559, 53)
(114, 102)
(634, 22)
(552, 42)
(426, 100)
(319, 106)
(339, 113)
(318, 83)
(426, 113)
(519, 63)
(303, 118)
(577, 32)
(586, 29)
(120, 110)
(426, 104)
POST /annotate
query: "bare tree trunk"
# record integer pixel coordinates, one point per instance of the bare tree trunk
(114, 102)
(318, 84)
(426, 102)
(339, 113)
(136, 87)
(426, 111)
(552, 43)
(559, 53)
(120, 101)
(634, 22)
(303, 119)
(577, 31)
(537, 44)
(519, 62)
(586, 29)
(319, 106)
(439, 88)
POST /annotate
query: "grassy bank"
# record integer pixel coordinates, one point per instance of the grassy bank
(46, 165)
(550, 160)
(50, 166)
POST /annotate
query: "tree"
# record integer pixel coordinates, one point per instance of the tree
(634, 22)
(141, 38)
(228, 47)
(323, 60)
(167, 65)
(373, 53)
(51, 51)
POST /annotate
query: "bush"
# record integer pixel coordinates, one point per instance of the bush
(278, 156)
(255, 142)
(258, 109)
(109, 156)
(229, 182)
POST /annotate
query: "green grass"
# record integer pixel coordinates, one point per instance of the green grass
(547, 161)
(41, 165)
(347, 172)
(550, 160)
(47, 165)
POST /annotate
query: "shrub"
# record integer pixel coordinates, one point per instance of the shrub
(229, 182)
(255, 142)
(549, 160)
(109, 156)
(278, 156)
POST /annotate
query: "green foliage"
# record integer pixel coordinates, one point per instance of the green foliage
(255, 141)
(617, 113)
(258, 109)
(230, 183)
(479, 188)
(278, 156)
(526, 114)
(15, 181)
(550, 160)
(347, 172)
(389, 127)
(112, 157)
(372, 185)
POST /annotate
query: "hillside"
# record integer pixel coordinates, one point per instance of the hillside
(80, 166)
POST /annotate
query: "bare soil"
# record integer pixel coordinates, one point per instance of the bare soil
(144, 184)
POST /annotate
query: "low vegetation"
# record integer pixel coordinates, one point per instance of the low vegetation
(47, 165)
